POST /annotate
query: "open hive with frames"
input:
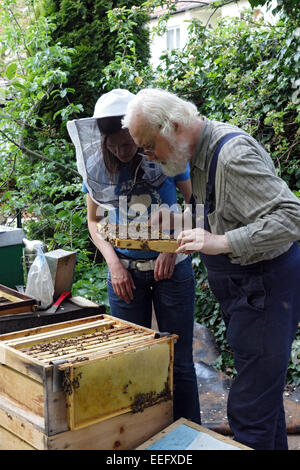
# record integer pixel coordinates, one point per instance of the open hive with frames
(63, 380)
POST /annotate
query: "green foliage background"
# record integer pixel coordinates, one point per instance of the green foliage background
(85, 26)
(244, 73)
(67, 53)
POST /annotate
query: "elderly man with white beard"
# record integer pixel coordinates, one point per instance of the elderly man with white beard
(248, 245)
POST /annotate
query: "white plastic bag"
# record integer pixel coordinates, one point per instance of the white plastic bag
(39, 281)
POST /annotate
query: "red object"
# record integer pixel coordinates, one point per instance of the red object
(60, 299)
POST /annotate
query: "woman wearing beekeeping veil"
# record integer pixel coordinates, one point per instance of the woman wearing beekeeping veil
(118, 178)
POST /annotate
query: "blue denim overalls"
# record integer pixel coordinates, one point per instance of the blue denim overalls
(260, 305)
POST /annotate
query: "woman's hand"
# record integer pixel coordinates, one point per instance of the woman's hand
(122, 282)
(164, 266)
(198, 239)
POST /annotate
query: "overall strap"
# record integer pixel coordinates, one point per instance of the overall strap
(210, 186)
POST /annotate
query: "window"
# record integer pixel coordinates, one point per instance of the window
(173, 38)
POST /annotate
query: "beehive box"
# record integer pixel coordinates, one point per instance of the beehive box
(63, 383)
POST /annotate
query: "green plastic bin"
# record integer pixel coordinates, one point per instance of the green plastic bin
(11, 256)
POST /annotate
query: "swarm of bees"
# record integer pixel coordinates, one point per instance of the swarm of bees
(144, 400)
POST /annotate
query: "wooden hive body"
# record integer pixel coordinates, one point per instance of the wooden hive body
(58, 382)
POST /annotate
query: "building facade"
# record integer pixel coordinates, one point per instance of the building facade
(177, 26)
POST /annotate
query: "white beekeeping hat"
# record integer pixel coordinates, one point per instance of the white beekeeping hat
(113, 103)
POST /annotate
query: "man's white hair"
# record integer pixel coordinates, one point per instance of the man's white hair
(161, 109)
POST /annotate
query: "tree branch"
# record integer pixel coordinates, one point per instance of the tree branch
(39, 156)
(36, 104)
(22, 32)
(209, 4)
(10, 173)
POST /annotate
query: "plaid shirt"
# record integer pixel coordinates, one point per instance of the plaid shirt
(254, 207)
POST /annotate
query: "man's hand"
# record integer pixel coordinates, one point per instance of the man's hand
(122, 282)
(197, 239)
(164, 266)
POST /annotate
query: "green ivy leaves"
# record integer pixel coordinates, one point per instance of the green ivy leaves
(11, 71)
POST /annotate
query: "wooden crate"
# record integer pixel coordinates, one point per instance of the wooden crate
(61, 264)
(186, 435)
(13, 302)
(70, 309)
(70, 376)
(23, 430)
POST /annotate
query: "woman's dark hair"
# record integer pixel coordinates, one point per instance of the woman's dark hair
(108, 126)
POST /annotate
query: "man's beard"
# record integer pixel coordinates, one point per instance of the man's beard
(177, 160)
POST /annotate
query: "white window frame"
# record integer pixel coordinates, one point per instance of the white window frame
(173, 40)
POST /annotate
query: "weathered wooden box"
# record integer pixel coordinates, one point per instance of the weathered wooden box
(71, 309)
(61, 264)
(98, 376)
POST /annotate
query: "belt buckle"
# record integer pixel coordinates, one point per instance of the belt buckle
(144, 265)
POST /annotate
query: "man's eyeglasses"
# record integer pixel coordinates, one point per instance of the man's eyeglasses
(149, 148)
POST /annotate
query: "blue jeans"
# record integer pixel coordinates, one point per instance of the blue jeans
(260, 306)
(173, 301)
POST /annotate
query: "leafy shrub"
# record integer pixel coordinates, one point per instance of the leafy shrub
(85, 26)
(244, 73)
